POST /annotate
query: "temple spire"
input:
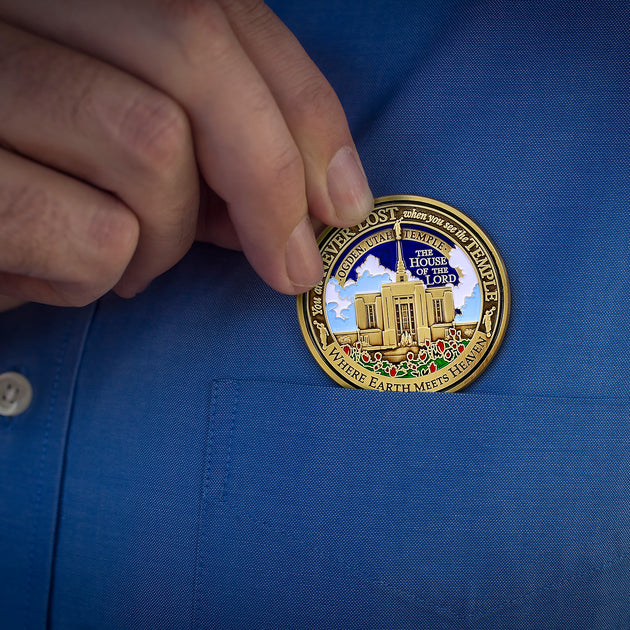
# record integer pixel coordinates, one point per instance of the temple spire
(401, 270)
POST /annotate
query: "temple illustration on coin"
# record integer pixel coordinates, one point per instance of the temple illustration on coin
(405, 314)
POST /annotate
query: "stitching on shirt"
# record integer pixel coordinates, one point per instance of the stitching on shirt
(551, 587)
(413, 598)
(228, 460)
(384, 584)
(203, 502)
(40, 474)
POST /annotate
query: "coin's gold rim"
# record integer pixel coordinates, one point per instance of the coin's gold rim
(476, 230)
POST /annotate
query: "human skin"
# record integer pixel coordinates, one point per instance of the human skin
(131, 128)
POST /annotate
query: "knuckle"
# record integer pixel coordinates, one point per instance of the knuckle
(314, 100)
(112, 235)
(198, 28)
(253, 13)
(89, 83)
(285, 169)
(26, 210)
(153, 131)
(111, 243)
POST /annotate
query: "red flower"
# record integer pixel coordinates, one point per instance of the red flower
(346, 349)
(409, 356)
(366, 357)
(440, 345)
(432, 368)
(392, 371)
(423, 356)
(460, 349)
(378, 356)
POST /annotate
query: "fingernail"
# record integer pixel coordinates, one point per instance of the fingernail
(348, 188)
(304, 262)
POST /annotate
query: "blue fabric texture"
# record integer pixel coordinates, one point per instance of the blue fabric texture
(187, 464)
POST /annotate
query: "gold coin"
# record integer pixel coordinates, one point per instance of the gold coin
(413, 299)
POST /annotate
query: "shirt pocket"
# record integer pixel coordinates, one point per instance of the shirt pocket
(459, 503)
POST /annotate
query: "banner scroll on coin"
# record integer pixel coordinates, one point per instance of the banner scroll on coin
(415, 298)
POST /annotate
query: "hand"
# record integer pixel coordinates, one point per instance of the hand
(130, 128)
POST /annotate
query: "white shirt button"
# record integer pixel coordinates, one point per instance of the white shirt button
(16, 394)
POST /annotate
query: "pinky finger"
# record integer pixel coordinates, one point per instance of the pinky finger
(62, 242)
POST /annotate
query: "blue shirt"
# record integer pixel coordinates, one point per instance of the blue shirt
(185, 463)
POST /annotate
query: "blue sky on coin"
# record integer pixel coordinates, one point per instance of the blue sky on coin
(371, 274)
